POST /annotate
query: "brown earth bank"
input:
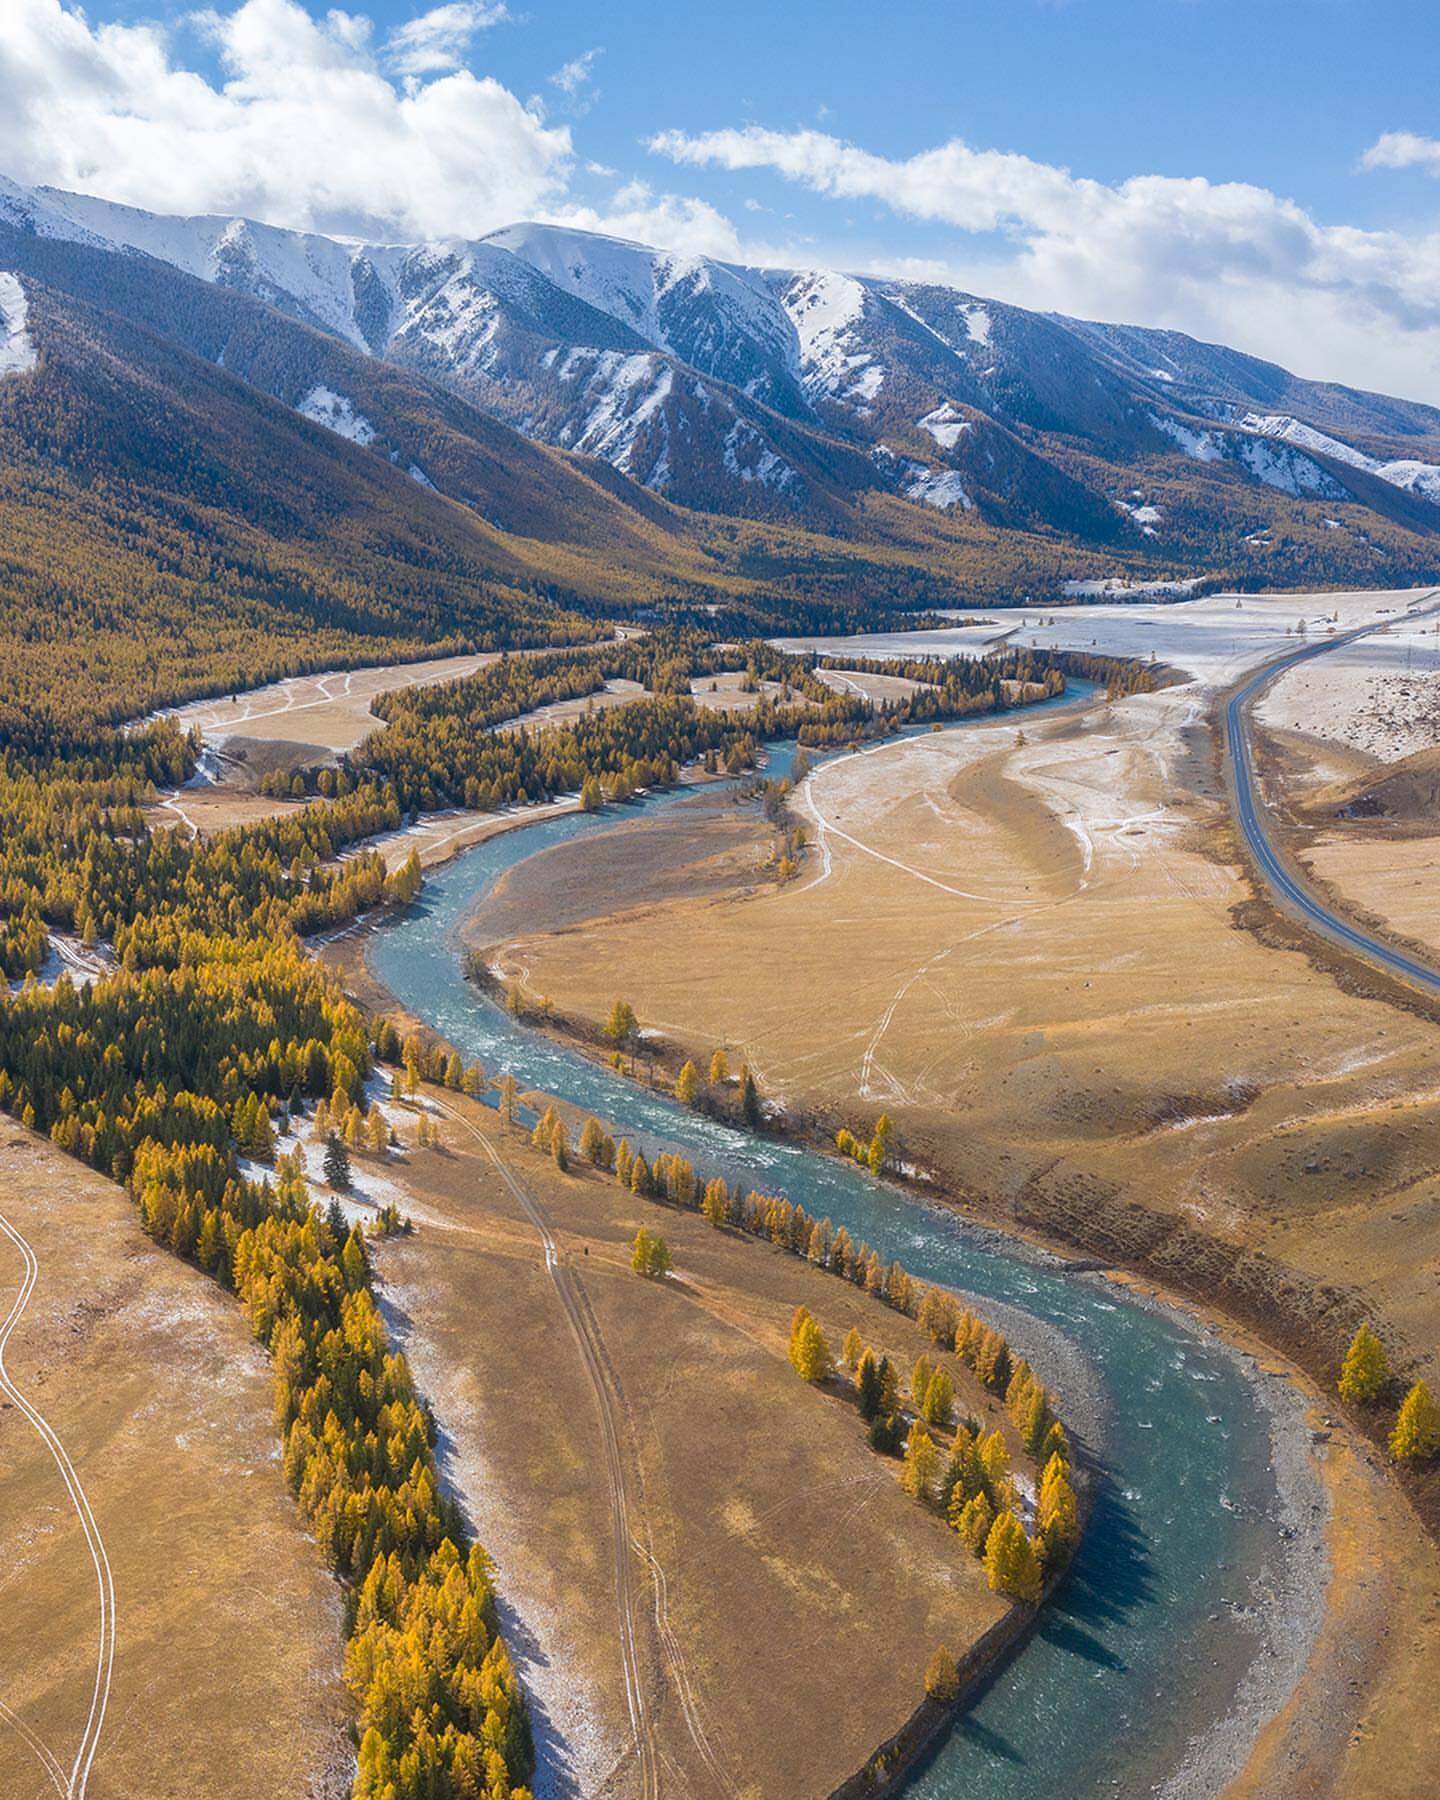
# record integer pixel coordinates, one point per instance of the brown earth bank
(768, 1546)
(228, 1630)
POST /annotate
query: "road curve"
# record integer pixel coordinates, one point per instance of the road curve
(75, 1784)
(1289, 888)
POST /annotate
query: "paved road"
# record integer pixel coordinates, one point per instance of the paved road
(1289, 888)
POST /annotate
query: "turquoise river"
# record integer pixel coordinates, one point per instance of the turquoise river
(1150, 1638)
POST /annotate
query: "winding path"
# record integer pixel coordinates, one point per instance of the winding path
(73, 1786)
(1288, 886)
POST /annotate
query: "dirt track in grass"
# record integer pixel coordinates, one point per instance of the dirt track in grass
(224, 1680)
(763, 1525)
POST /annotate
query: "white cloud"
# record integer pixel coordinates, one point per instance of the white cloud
(437, 41)
(1227, 260)
(1403, 150)
(306, 127)
(573, 75)
(674, 221)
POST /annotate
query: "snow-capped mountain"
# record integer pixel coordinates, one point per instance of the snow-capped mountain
(803, 394)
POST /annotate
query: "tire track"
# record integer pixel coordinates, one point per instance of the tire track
(582, 1326)
(75, 1784)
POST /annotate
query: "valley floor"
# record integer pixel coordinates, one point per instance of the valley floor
(1031, 947)
(769, 1547)
(219, 1673)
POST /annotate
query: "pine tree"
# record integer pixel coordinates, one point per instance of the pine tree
(1365, 1371)
(920, 1380)
(592, 1143)
(810, 1353)
(1058, 1515)
(922, 1465)
(1011, 1565)
(337, 1163)
(942, 1678)
(973, 1522)
(558, 1150)
(749, 1097)
(509, 1094)
(867, 1387)
(938, 1406)
(687, 1084)
(852, 1349)
(1417, 1426)
(622, 1025)
(994, 1457)
(889, 1387)
(659, 1262)
(716, 1202)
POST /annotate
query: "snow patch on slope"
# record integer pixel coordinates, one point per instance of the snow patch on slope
(323, 406)
(17, 347)
(623, 391)
(945, 425)
(825, 309)
(1279, 466)
(1413, 476)
(940, 488)
(749, 458)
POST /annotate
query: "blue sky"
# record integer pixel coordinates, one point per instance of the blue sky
(1266, 173)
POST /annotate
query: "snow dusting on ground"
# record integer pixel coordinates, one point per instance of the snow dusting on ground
(325, 407)
(17, 347)
(1213, 640)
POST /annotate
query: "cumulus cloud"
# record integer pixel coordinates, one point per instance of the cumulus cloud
(307, 126)
(1403, 150)
(1224, 260)
(437, 41)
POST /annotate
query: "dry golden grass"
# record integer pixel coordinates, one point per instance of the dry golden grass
(774, 1526)
(228, 1629)
(1025, 952)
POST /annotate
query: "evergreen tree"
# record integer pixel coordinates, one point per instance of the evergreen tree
(867, 1387)
(749, 1097)
(1417, 1426)
(1365, 1371)
(1011, 1565)
(659, 1264)
(337, 1163)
